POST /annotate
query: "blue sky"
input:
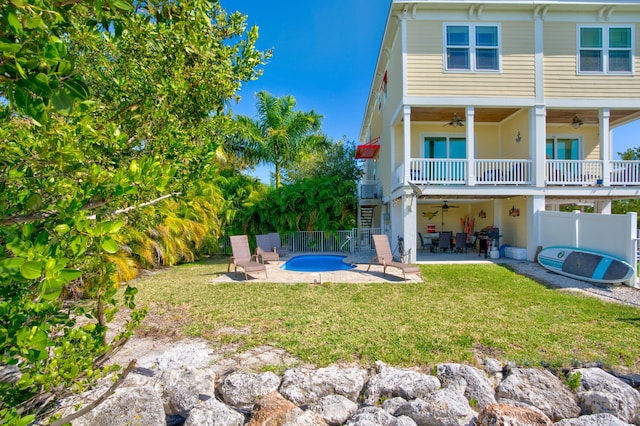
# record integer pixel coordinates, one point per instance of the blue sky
(324, 54)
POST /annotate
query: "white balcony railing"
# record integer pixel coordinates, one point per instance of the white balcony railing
(439, 171)
(573, 172)
(503, 172)
(625, 173)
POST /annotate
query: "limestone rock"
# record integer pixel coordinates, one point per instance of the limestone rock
(478, 389)
(392, 382)
(540, 389)
(306, 386)
(601, 392)
(509, 415)
(127, 406)
(370, 416)
(184, 388)
(213, 413)
(602, 419)
(274, 409)
(391, 405)
(242, 390)
(334, 409)
(445, 407)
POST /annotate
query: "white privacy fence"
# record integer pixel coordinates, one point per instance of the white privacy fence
(614, 234)
(356, 239)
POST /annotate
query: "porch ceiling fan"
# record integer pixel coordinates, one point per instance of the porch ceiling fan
(446, 207)
(577, 122)
(456, 122)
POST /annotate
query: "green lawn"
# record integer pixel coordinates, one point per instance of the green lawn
(460, 311)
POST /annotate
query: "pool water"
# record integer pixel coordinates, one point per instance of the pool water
(316, 263)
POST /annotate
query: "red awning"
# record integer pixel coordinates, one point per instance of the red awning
(368, 150)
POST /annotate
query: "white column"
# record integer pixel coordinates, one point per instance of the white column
(407, 143)
(471, 145)
(535, 204)
(537, 146)
(632, 218)
(410, 229)
(605, 145)
(603, 206)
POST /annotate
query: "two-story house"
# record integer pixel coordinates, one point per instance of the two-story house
(484, 113)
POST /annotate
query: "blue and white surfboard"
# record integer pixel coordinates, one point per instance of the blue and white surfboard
(587, 265)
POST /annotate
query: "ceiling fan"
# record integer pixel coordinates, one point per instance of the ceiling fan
(446, 207)
(577, 122)
(456, 122)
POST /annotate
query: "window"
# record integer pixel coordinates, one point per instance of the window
(472, 47)
(605, 50)
(445, 148)
(563, 148)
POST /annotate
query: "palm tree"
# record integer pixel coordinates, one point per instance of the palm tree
(280, 135)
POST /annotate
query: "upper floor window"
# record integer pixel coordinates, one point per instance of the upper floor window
(605, 49)
(472, 47)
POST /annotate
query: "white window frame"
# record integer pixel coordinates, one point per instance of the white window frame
(448, 137)
(605, 50)
(565, 136)
(472, 47)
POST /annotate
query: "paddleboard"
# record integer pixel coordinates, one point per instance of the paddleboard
(587, 265)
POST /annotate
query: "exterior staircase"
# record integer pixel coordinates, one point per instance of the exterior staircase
(366, 217)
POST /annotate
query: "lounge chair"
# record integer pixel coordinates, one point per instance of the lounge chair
(265, 251)
(277, 244)
(384, 257)
(242, 257)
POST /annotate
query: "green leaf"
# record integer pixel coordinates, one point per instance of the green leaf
(39, 84)
(34, 202)
(121, 4)
(11, 265)
(61, 102)
(14, 22)
(62, 229)
(109, 245)
(50, 288)
(31, 270)
(12, 48)
(65, 68)
(77, 89)
(68, 275)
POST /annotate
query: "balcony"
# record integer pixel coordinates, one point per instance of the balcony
(424, 171)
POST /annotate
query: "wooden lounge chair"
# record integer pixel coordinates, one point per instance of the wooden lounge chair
(277, 244)
(384, 257)
(265, 252)
(242, 257)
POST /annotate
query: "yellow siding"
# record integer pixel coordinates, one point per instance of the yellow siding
(508, 133)
(425, 68)
(560, 69)
(588, 133)
(513, 228)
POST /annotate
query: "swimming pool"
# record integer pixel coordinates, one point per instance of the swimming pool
(316, 263)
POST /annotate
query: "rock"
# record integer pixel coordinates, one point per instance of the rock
(479, 391)
(602, 419)
(274, 410)
(372, 416)
(392, 382)
(127, 406)
(242, 390)
(392, 405)
(541, 389)
(213, 413)
(306, 386)
(509, 415)
(445, 407)
(184, 388)
(601, 392)
(334, 409)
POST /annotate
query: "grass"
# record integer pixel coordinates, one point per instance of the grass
(459, 312)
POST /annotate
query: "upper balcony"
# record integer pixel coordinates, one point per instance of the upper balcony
(518, 172)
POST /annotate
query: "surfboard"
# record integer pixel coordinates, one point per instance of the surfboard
(586, 265)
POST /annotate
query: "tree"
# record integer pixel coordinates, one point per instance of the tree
(630, 154)
(338, 160)
(105, 106)
(280, 135)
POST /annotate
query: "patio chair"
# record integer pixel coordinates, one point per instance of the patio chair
(265, 252)
(276, 243)
(445, 241)
(461, 242)
(425, 243)
(242, 257)
(384, 257)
